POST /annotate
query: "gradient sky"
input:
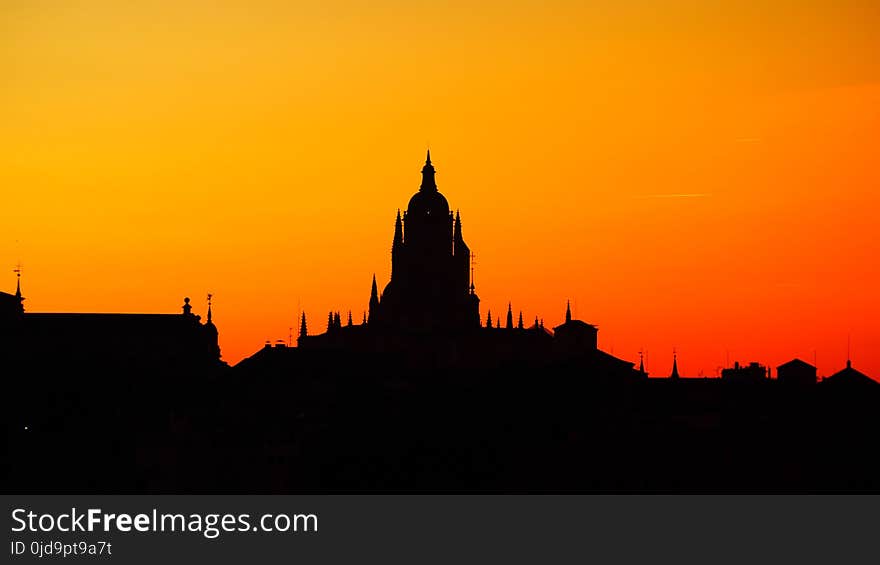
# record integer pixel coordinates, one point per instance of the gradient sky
(691, 176)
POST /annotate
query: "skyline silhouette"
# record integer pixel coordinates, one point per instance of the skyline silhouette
(417, 276)
(420, 395)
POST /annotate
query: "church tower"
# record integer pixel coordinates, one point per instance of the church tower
(430, 288)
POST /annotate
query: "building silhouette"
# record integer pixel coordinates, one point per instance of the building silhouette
(796, 372)
(752, 373)
(428, 314)
(106, 343)
(850, 378)
(430, 290)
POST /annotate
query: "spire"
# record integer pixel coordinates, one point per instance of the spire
(210, 296)
(489, 319)
(519, 324)
(509, 317)
(349, 318)
(398, 232)
(674, 374)
(457, 229)
(303, 330)
(567, 311)
(17, 271)
(428, 182)
(641, 362)
(374, 300)
(330, 322)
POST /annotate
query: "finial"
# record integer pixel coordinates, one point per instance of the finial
(428, 182)
(210, 296)
(187, 309)
(567, 311)
(17, 271)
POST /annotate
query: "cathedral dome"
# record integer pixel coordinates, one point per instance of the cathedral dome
(428, 203)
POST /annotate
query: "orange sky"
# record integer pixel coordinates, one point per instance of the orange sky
(691, 176)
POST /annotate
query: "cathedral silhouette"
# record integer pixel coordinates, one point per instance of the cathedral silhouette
(429, 312)
(431, 288)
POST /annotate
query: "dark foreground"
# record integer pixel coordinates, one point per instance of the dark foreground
(335, 424)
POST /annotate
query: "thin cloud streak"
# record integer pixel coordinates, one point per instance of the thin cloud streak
(678, 195)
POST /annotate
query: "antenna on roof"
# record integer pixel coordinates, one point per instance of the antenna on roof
(848, 357)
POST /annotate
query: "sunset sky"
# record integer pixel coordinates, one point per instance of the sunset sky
(691, 175)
